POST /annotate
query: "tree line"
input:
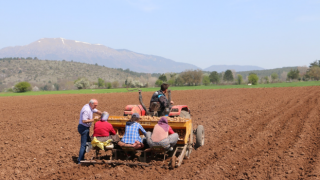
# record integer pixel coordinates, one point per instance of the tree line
(198, 77)
(185, 78)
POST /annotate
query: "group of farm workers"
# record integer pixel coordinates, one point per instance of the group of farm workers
(162, 134)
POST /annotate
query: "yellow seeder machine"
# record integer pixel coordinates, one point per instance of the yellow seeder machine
(180, 121)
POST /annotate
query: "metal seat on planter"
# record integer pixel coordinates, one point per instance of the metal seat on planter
(158, 150)
(133, 150)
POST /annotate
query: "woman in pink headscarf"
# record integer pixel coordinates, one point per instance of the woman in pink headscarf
(162, 135)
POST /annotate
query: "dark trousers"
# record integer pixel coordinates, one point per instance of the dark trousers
(84, 132)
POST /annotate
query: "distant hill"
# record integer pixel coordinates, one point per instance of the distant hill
(237, 68)
(46, 72)
(63, 49)
(267, 72)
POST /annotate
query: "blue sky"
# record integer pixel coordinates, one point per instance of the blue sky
(265, 33)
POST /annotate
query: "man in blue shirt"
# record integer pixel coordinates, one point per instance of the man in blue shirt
(131, 135)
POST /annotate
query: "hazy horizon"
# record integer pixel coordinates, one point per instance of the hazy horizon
(269, 34)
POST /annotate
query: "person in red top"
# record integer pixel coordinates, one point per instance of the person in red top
(104, 131)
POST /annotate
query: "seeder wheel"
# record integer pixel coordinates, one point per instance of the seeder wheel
(200, 136)
(190, 144)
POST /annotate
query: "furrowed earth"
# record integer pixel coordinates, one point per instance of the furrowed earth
(265, 133)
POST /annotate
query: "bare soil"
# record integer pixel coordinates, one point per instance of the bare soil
(267, 133)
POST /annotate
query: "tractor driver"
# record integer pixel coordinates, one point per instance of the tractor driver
(160, 96)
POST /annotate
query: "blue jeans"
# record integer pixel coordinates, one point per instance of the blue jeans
(84, 132)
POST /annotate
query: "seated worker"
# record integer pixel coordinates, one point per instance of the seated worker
(131, 137)
(162, 135)
(104, 131)
(160, 96)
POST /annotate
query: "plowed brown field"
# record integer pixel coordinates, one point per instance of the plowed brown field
(267, 133)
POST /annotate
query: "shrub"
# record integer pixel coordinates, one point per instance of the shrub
(22, 87)
(205, 80)
(101, 83)
(159, 82)
(253, 79)
(239, 79)
(274, 76)
(108, 85)
(115, 84)
(82, 83)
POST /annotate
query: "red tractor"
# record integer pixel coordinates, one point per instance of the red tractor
(155, 110)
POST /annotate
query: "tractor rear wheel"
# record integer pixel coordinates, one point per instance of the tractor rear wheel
(200, 136)
(185, 114)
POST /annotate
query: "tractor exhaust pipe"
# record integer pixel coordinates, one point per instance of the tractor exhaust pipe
(141, 102)
(167, 110)
(169, 98)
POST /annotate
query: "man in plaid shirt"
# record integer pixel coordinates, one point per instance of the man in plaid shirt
(131, 135)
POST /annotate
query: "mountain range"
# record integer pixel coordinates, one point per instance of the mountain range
(64, 49)
(237, 68)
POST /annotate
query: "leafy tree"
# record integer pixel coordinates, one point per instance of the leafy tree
(239, 79)
(191, 77)
(187, 77)
(314, 72)
(205, 80)
(315, 63)
(158, 82)
(22, 87)
(179, 81)
(171, 81)
(82, 83)
(100, 82)
(45, 88)
(274, 76)
(172, 75)
(293, 74)
(56, 86)
(214, 77)
(197, 77)
(228, 76)
(163, 78)
(253, 79)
